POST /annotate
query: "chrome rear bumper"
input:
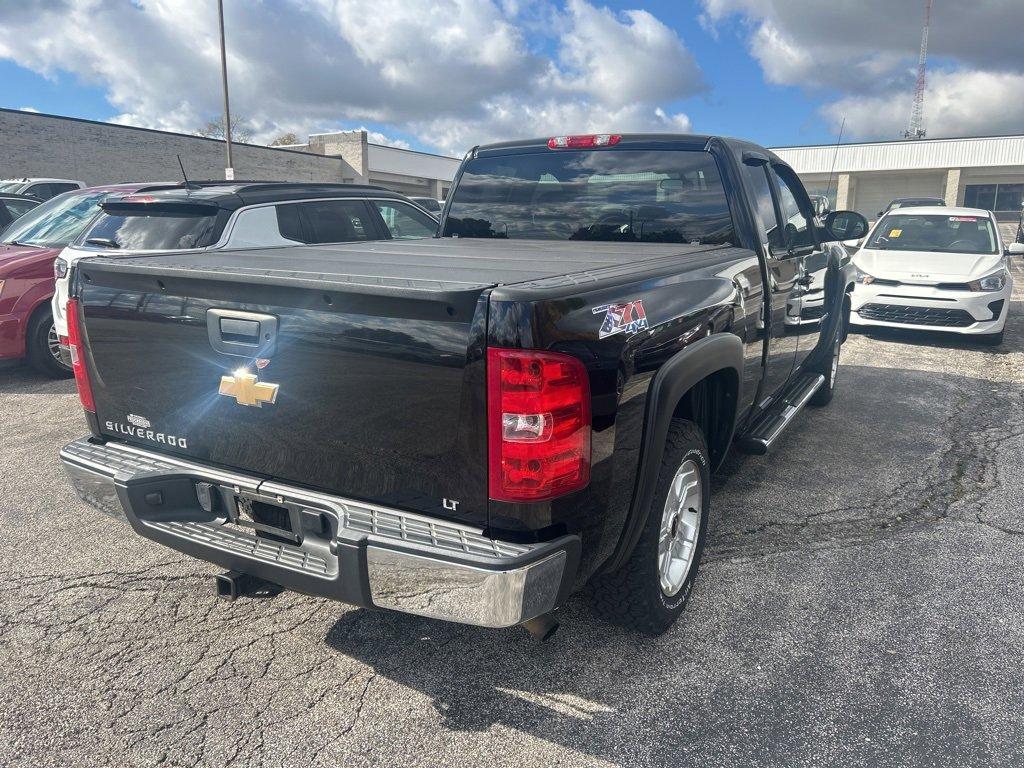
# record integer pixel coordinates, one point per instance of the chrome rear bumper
(359, 553)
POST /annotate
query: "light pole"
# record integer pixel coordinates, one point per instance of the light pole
(229, 171)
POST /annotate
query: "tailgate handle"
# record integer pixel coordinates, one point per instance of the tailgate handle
(245, 334)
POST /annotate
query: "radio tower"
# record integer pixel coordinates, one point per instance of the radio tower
(916, 128)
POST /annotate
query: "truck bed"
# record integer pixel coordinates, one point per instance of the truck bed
(405, 267)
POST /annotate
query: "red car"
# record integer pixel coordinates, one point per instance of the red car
(28, 248)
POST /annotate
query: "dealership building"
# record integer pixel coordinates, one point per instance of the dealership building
(978, 172)
(38, 145)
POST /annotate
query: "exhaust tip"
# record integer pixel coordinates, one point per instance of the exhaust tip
(542, 628)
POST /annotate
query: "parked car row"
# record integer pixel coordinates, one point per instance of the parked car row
(530, 402)
(124, 220)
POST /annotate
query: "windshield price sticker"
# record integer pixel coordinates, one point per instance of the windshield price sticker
(896, 233)
(963, 218)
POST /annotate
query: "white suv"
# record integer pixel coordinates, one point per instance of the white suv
(931, 268)
(219, 215)
(42, 189)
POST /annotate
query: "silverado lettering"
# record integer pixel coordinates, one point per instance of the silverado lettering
(146, 434)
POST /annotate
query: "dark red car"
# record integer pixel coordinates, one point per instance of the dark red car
(28, 248)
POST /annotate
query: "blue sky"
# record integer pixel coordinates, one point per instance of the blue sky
(450, 73)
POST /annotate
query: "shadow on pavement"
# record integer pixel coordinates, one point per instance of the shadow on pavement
(23, 379)
(610, 694)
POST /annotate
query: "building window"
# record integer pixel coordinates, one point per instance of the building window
(1009, 197)
(1005, 198)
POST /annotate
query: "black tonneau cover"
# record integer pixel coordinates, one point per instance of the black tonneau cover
(397, 267)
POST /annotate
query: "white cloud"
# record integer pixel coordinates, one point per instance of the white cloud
(28, 109)
(961, 103)
(454, 72)
(862, 57)
(507, 118)
(623, 60)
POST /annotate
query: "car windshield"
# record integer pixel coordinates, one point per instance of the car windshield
(56, 222)
(153, 227)
(611, 195)
(946, 234)
(10, 186)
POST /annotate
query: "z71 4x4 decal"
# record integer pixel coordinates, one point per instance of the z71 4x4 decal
(627, 318)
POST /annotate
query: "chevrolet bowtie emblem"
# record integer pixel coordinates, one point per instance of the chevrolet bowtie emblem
(247, 389)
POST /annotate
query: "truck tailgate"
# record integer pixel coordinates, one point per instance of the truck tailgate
(360, 385)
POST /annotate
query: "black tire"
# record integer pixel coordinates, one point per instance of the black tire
(829, 368)
(38, 345)
(633, 596)
(991, 339)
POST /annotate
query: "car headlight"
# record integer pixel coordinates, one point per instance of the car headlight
(993, 282)
(60, 268)
(862, 277)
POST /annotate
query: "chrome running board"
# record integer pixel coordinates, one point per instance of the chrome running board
(767, 429)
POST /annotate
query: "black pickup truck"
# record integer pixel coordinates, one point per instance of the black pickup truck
(473, 426)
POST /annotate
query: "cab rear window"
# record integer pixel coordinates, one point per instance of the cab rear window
(656, 196)
(154, 227)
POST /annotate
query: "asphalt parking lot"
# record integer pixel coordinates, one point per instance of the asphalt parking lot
(860, 604)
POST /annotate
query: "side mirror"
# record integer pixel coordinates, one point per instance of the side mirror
(1015, 249)
(842, 225)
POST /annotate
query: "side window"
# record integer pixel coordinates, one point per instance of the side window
(757, 175)
(19, 207)
(336, 221)
(796, 228)
(289, 222)
(42, 191)
(261, 227)
(5, 216)
(404, 222)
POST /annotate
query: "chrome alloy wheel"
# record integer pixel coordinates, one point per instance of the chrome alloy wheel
(53, 343)
(680, 527)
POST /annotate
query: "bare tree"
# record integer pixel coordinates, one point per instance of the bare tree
(240, 130)
(285, 140)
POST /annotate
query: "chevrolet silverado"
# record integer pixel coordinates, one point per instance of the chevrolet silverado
(472, 426)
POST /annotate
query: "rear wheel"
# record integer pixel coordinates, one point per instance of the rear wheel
(44, 346)
(650, 591)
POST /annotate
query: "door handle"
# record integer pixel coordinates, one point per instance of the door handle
(244, 334)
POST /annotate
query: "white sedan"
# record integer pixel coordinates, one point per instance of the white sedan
(935, 269)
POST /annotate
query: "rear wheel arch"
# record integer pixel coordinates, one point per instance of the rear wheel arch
(42, 306)
(39, 342)
(699, 383)
(711, 404)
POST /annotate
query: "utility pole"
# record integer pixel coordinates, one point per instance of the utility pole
(916, 128)
(229, 170)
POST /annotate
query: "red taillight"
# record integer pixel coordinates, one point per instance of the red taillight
(78, 356)
(584, 142)
(538, 424)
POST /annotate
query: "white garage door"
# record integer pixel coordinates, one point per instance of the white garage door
(874, 193)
